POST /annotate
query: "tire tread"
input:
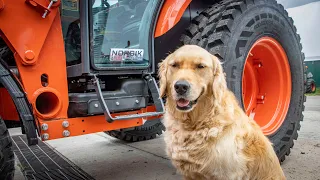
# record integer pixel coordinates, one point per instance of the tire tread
(219, 21)
(6, 153)
(139, 133)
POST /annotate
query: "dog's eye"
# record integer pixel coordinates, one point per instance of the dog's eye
(200, 66)
(174, 65)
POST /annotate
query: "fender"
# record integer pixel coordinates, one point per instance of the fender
(170, 14)
(21, 102)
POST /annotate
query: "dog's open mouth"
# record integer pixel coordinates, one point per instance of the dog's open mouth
(183, 104)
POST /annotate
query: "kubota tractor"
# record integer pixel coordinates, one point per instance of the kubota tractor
(71, 67)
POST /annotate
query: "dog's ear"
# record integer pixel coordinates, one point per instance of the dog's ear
(162, 74)
(219, 84)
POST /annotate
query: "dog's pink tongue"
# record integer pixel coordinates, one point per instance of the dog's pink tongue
(183, 103)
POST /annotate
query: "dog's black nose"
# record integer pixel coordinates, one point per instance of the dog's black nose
(181, 87)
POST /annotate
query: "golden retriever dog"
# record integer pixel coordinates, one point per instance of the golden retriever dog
(208, 134)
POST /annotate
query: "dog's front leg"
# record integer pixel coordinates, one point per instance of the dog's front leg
(190, 178)
(197, 176)
(187, 178)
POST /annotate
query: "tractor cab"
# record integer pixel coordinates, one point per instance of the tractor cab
(111, 38)
(116, 34)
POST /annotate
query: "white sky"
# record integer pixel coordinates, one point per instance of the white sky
(307, 20)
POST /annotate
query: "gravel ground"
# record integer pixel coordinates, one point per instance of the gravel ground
(304, 161)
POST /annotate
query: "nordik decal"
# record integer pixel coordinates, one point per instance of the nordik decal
(119, 54)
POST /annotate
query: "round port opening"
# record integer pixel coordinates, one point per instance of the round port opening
(48, 104)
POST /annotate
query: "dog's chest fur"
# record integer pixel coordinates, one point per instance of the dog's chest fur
(198, 152)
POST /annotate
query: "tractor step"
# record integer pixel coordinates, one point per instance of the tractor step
(42, 162)
(153, 88)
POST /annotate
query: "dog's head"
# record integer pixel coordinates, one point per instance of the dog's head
(191, 75)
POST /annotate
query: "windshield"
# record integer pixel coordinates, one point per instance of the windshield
(120, 32)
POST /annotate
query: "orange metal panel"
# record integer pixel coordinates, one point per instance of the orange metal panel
(87, 125)
(170, 15)
(24, 27)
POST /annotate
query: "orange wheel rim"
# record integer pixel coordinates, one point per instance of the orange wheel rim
(266, 84)
(313, 87)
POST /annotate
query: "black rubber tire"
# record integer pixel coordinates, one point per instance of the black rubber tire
(5, 52)
(148, 131)
(229, 28)
(309, 84)
(6, 153)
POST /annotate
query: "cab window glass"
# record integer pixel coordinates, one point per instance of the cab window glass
(120, 31)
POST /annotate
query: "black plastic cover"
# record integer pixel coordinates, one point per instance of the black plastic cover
(132, 95)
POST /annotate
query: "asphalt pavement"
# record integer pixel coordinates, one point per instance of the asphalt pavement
(104, 157)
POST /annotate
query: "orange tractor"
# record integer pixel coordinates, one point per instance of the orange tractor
(72, 67)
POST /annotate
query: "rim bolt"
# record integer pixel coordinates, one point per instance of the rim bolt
(258, 64)
(260, 97)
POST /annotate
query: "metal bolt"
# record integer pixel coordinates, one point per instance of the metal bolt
(96, 105)
(117, 103)
(66, 133)
(29, 55)
(65, 124)
(137, 101)
(45, 136)
(46, 11)
(44, 127)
